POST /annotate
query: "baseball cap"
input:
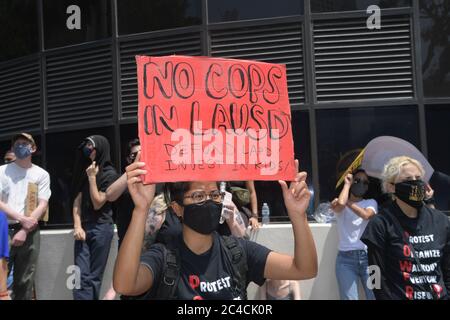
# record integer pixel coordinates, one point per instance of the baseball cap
(25, 136)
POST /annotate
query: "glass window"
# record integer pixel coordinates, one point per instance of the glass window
(19, 28)
(95, 22)
(233, 10)
(438, 137)
(270, 191)
(350, 5)
(136, 16)
(62, 158)
(128, 132)
(435, 33)
(342, 133)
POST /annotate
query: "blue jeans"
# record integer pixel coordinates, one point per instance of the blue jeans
(352, 266)
(91, 257)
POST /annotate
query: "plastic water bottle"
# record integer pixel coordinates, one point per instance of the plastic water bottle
(265, 213)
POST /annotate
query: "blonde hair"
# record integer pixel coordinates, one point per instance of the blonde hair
(393, 168)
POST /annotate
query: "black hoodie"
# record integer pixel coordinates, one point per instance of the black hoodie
(107, 174)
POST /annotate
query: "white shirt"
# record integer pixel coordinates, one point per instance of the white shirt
(351, 226)
(14, 185)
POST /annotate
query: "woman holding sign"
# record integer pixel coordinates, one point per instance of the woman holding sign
(201, 264)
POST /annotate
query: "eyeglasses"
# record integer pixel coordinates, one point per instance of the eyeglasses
(200, 197)
(365, 182)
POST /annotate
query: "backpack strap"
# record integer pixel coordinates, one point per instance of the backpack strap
(238, 260)
(171, 274)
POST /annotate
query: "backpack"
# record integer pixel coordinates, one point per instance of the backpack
(235, 258)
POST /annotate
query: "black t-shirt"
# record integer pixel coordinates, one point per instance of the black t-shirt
(207, 276)
(429, 235)
(104, 215)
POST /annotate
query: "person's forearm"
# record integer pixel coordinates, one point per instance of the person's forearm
(363, 213)
(98, 198)
(40, 210)
(128, 259)
(305, 254)
(77, 211)
(3, 275)
(10, 213)
(343, 196)
(115, 190)
(253, 197)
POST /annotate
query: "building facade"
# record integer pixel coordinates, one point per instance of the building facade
(348, 81)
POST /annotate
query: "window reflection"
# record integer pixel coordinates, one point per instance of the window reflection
(233, 10)
(136, 16)
(18, 28)
(95, 22)
(350, 5)
(342, 133)
(435, 33)
(438, 137)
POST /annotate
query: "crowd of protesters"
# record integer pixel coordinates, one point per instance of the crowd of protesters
(181, 241)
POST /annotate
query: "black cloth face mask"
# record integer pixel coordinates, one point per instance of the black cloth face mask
(359, 189)
(411, 192)
(203, 218)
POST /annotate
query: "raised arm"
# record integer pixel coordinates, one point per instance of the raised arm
(115, 190)
(98, 198)
(253, 221)
(365, 213)
(339, 204)
(130, 277)
(304, 263)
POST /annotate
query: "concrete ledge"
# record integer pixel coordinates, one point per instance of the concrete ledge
(57, 250)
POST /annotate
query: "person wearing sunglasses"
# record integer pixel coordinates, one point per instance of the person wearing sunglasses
(205, 269)
(352, 214)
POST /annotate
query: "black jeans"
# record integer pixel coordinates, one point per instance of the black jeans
(91, 257)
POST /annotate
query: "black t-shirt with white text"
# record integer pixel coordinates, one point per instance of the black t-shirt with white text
(207, 276)
(428, 234)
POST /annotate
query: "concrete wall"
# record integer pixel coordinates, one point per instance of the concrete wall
(57, 255)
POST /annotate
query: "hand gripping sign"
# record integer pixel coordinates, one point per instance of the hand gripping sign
(214, 119)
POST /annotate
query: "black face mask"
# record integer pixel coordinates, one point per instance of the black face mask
(359, 189)
(411, 192)
(203, 218)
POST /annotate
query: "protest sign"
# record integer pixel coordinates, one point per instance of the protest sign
(213, 119)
